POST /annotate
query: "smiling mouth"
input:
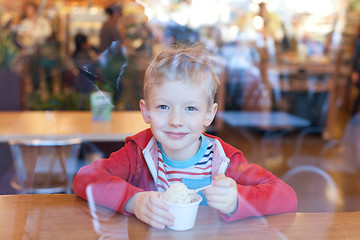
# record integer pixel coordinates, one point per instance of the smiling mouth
(175, 135)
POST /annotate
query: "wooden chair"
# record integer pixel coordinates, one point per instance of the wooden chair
(340, 155)
(316, 190)
(44, 166)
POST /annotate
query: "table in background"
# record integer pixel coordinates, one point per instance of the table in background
(62, 216)
(303, 87)
(266, 149)
(263, 120)
(69, 124)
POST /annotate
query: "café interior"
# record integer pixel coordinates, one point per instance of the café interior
(287, 99)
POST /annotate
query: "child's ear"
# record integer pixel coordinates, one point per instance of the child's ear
(145, 111)
(210, 115)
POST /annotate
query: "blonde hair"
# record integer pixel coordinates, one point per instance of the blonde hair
(183, 63)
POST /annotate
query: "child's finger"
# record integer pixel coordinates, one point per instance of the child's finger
(162, 217)
(153, 222)
(221, 182)
(154, 216)
(219, 176)
(158, 203)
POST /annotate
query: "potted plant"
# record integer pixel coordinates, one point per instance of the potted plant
(8, 50)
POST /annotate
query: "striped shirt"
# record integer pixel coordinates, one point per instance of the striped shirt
(197, 167)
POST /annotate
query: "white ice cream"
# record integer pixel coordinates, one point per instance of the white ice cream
(178, 193)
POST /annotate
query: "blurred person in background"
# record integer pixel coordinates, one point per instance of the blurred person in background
(110, 30)
(84, 57)
(32, 32)
(138, 41)
(138, 31)
(34, 29)
(84, 53)
(113, 51)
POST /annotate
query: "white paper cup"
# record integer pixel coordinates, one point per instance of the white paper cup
(184, 213)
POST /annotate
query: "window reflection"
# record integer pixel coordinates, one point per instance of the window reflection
(284, 69)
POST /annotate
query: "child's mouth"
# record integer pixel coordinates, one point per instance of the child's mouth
(176, 135)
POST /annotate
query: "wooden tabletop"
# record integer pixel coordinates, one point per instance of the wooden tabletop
(65, 124)
(267, 120)
(61, 216)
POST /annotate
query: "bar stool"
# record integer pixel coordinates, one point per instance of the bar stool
(44, 165)
(316, 190)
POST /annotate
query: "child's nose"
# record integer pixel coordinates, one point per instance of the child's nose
(176, 119)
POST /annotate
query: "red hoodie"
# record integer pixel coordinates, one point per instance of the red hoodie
(134, 167)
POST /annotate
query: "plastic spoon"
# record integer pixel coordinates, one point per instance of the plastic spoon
(193, 191)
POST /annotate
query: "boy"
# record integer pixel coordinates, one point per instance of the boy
(179, 89)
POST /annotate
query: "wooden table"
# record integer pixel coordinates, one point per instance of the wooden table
(65, 124)
(68, 217)
(266, 148)
(263, 120)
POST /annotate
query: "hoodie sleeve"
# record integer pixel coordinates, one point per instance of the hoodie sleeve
(259, 191)
(107, 181)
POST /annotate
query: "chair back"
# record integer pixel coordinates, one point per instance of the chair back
(316, 190)
(45, 166)
(351, 135)
(345, 156)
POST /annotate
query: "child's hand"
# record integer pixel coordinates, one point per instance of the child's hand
(149, 208)
(223, 194)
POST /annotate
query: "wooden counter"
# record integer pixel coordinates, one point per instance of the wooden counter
(60, 216)
(67, 124)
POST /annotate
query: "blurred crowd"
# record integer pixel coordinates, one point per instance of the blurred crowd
(56, 64)
(52, 64)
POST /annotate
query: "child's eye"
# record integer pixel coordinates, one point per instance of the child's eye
(191, 108)
(163, 107)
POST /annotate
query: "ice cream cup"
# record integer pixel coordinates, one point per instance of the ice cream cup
(184, 213)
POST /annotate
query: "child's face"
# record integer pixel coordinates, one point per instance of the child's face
(177, 113)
